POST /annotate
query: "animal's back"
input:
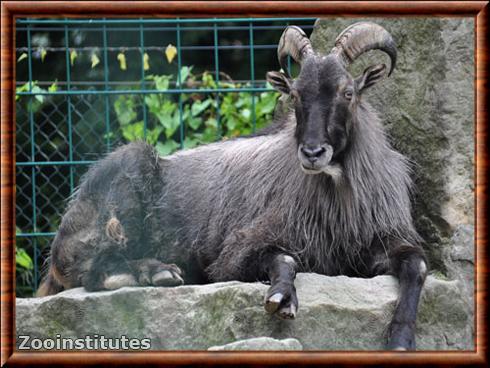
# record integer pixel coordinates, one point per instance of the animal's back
(214, 190)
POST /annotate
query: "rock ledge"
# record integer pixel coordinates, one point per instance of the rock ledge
(335, 313)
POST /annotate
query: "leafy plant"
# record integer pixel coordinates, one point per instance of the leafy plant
(24, 270)
(22, 259)
(191, 119)
(38, 99)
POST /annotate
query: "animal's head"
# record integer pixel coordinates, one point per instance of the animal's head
(325, 96)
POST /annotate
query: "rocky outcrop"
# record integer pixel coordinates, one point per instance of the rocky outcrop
(428, 108)
(335, 313)
(260, 343)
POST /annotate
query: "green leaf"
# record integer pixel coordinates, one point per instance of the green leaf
(53, 87)
(232, 122)
(244, 100)
(22, 56)
(153, 102)
(23, 88)
(194, 123)
(164, 112)
(166, 148)
(109, 135)
(246, 113)
(37, 89)
(228, 85)
(95, 60)
(43, 54)
(209, 134)
(172, 124)
(153, 134)
(266, 103)
(190, 142)
(199, 106)
(162, 82)
(228, 106)
(125, 111)
(208, 81)
(134, 132)
(212, 122)
(23, 259)
(185, 71)
(73, 56)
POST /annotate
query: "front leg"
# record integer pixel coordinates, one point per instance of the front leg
(409, 264)
(254, 254)
(281, 296)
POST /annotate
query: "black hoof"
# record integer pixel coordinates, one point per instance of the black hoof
(281, 299)
(156, 273)
(401, 337)
(273, 302)
(167, 278)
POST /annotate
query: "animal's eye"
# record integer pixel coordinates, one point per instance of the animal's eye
(348, 94)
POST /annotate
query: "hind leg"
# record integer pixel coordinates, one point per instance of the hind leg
(150, 271)
(112, 270)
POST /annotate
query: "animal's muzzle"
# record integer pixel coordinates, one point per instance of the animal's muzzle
(314, 157)
(313, 153)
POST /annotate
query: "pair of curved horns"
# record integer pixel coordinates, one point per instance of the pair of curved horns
(349, 45)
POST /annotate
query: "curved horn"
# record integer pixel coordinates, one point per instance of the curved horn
(361, 37)
(295, 43)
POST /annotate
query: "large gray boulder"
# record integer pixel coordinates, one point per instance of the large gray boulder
(336, 313)
(428, 108)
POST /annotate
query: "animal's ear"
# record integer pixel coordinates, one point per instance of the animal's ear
(370, 77)
(279, 81)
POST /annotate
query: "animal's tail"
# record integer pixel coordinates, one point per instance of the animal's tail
(50, 285)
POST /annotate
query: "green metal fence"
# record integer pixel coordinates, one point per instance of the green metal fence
(85, 86)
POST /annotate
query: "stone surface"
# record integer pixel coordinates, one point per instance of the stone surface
(335, 313)
(428, 108)
(260, 343)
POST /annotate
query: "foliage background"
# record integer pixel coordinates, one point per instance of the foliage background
(59, 134)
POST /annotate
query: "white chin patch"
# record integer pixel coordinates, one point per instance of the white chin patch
(335, 171)
(310, 172)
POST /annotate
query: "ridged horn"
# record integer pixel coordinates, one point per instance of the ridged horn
(362, 37)
(294, 43)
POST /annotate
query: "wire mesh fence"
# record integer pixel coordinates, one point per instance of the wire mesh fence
(85, 86)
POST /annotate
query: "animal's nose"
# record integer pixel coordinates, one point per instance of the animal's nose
(313, 153)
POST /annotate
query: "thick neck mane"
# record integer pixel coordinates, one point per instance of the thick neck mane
(327, 219)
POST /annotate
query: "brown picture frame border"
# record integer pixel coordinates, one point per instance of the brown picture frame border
(10, 10)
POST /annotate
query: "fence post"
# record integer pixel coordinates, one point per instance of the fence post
(143, 84)
(69, 107)
(179, 85)
(216, 72)
(106, 87)
(33, 158)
